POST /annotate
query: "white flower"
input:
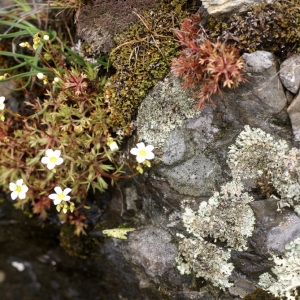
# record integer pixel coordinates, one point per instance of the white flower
(113, 146)
(52, 159)
(142, 152)
(2, 105)
(56, 79)
(40, 76)
(46, 37)
(61, 195)
(18, 189)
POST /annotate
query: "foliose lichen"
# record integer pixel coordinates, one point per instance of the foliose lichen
(286, 273)
(226, 217)
(255, 152)
(204, 259)
(226, 220)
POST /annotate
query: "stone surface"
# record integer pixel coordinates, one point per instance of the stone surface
(221, 7)
(151, 249)
(294, 114)
(290, 73)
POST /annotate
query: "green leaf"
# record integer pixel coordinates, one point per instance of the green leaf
(118, 233)
(14, 34)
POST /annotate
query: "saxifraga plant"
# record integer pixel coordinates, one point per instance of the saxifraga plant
(64, 145)
(211, 65)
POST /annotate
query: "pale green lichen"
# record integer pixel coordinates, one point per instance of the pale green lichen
(256, 152)
(227, 218)
(205, 260)
(286, 271)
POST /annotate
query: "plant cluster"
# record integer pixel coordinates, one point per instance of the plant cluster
(270, 27)
(65, 145)
(141, 58)
(204, 65)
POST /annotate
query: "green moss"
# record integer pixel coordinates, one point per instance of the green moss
(142, 57)
(260, 294)
(273, 27)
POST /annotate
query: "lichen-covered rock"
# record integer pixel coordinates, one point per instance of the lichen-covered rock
(225, 217)
(166, 107)
(205, 260)
(221, 7)
(256, 152)
(286, 271)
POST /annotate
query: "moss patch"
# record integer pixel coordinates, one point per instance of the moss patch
(142, 57)
(273, 27)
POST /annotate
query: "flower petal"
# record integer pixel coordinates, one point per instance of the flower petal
(19, 182)
(56, 153)
(45, 160)
(67, 191)
(25, 189)
(140, 159)
(12, 186)
(52, 196)
(59, 161)
(149, 148)
(57, 201)
(22, 195)
(50, 166)
(58, 190)
(149, 155)
(14, 195)
(49, 152)
(67, 198)
(134, 151)
(140, 145)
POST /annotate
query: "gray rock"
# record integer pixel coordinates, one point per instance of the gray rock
(286, 231)
(290, 73)
(195, 176)
(221, 7)
(294, 114)
(262, 67)
(152, 249)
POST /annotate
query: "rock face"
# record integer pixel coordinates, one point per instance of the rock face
(193, 164)
(290, 73)
(290, 78)
(221, 7)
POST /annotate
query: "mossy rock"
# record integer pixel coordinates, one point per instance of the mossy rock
(270, 27)
(142, 57)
